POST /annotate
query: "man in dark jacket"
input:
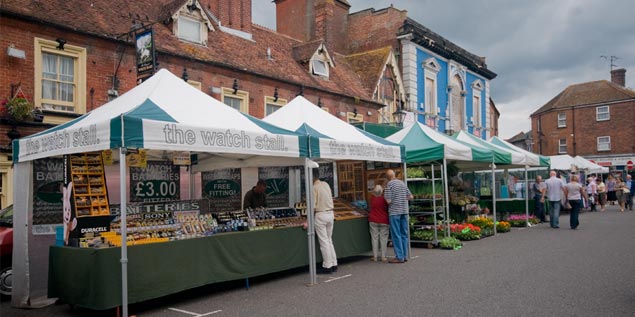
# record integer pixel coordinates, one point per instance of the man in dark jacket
(256, 197)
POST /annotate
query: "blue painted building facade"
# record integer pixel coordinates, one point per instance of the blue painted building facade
(447, 87)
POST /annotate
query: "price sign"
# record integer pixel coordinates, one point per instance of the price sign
(223, 189)
(158, 181)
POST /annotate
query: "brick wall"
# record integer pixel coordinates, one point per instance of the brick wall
(583, 140)
(370, 29)
(292, 18)
(235, 14)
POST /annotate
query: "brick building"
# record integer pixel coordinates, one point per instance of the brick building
(522, 140)
(69, 57)
(595, 120)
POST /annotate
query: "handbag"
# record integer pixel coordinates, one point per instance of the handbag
(626, 191)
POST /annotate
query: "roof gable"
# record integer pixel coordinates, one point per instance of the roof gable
(595, 92)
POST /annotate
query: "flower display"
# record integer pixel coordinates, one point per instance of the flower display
(465, 232)
(450, 243)
(503, 226)
(519, 220)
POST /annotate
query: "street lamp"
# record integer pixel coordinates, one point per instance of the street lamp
(399, 115)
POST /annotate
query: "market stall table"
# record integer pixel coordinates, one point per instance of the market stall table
(161, 269)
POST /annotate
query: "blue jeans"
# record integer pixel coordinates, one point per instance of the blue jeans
(539, 208)
(399, 233)
(575, 211)
(554, 213)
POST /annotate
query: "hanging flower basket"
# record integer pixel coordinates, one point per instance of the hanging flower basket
(19, 109)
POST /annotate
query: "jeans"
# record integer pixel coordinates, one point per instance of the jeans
(399, 233)
(539, 210)
(324, 231)
(575, 211)
(554, 214)
(379, 238)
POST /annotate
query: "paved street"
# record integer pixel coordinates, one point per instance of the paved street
(533, 271)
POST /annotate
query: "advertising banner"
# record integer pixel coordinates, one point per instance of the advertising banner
(223, 189)
(48, 178)
(277, 179)
(159, 181)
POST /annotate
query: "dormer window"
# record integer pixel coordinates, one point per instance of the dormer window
(191, 23)
(321, 62)
(190, 30)
(320, 67)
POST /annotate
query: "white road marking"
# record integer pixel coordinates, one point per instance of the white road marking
(337, 278)
(183, 311)
(414, 257)
(193, 313)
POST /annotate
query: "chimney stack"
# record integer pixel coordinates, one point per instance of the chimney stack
(235, 14)
(618, 76)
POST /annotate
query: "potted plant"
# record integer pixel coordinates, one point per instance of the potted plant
(450, 243)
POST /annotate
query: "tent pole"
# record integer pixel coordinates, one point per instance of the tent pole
(124, 247)
(494, 194)
(310, 232)
(526, 196)
(405, 178)
(434, 204)
(447, 198)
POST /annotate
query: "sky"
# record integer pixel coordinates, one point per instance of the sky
(536, 47)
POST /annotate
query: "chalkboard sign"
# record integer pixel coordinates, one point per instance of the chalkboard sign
(277, 179)
(158, 181)
(48, 177)
(223, 189)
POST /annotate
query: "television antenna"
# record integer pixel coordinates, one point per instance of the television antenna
(611, 60)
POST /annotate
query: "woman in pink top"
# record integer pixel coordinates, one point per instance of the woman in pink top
(378, 223)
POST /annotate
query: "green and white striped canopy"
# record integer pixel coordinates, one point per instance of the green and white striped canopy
(533, 159)
(164, 113)
(424, 144)
(502, 156)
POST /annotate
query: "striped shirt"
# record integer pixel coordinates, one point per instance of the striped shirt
(397, 194)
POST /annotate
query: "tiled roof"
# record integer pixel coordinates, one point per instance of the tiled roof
(369, 65)
(594, 92)
(521, 136)
(304, 51)
(111, 19)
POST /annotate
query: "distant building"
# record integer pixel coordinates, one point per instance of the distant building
(595, 120)
(446, 87)
(522, 140)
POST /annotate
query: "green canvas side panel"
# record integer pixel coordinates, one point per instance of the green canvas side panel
(378, 129)
(151, 111)
(133, 132)
(421, 148)
(115, 133)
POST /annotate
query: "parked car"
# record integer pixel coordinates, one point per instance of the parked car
(6, 249)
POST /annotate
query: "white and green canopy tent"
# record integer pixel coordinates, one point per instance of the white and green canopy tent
(424, 144)
(589, 166)
(533, 159)
(564, 162)
(332, 139)
(163, 113)
(502, 158)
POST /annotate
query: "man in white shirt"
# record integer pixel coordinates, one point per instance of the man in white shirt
(324, 220)
(555, 189)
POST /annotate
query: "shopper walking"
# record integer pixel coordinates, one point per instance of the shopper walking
(601, 192)
(539, 188)
(378, 223)
(574, 193)
(554, 195)
(324, 219)
(630, 187)
(620, 186)
(611, 197)
(397, 195)
(592, 192)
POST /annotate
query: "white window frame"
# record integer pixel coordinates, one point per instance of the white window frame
(186, 37)
(270, 101)
(240, 94)
(564, 119)
(477, 100)
(79, 78)
(599, 112)
(604, 143)
(560, 145)
(431, 70)
(314, 71)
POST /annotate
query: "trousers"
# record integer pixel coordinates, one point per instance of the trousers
(324, 231)
(379, 238)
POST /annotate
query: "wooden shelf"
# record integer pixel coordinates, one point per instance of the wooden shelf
(87, 173)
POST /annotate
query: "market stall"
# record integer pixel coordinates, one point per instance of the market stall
(161, 116)
(332, 139)
(503, 158)
(425, 146)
